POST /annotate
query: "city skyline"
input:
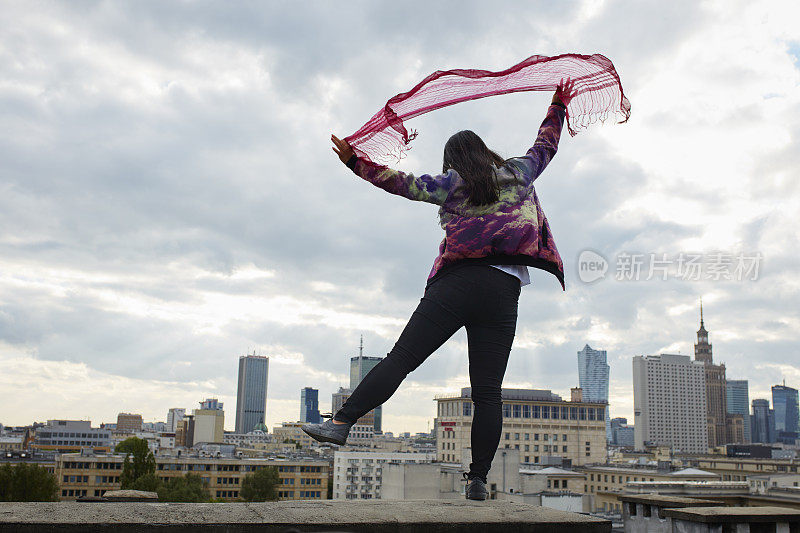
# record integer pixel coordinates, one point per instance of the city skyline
(160, 217)
(353, 360)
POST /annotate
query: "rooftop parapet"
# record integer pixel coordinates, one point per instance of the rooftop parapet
(409, 516)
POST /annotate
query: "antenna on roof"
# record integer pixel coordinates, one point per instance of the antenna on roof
(361, 347)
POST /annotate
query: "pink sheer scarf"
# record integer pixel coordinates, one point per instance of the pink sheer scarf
(384, 137)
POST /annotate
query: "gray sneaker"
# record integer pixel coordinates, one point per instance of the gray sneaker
(328, 431)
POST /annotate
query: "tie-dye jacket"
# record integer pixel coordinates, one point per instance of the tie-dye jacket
(511, 231)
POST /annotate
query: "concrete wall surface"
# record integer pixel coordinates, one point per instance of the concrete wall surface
(340, 516)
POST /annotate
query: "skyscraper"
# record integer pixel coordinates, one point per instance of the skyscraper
(309, 406)
(359, 368)
(716, 390)
(174, 416)
(593, 373)
(669, 402)
(785, 405)
(739, 403)
(762, 422)
(251, 396)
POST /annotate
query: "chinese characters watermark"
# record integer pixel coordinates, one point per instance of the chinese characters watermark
(686, 266)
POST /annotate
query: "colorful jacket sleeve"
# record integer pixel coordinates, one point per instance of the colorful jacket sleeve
(544, 148)
(423, 188)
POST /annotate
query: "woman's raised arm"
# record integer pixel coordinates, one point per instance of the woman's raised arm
(423, 188)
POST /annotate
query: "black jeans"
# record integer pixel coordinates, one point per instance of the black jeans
(484, 300)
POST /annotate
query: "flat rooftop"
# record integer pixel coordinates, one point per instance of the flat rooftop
(330, 515)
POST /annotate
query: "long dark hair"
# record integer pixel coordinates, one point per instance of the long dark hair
(467, 154)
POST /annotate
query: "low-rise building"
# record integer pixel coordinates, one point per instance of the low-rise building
(359, 474)
(292, 432)
(606, 482)
(92, 475)
(72, 435)
(12, 444)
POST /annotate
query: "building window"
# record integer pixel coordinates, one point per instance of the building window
(545, 411)
(535, 411)
(467, 409)
(591, 413)
(526, 411)
(517, 409)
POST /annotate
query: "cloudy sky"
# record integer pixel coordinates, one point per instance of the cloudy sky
(169, 200)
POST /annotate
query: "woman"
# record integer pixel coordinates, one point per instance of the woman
(495, 229)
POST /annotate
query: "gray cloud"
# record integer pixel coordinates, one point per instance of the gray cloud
(152, 151)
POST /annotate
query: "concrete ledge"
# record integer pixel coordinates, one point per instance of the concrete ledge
(668, 501)
(722, 515)
(372, 516)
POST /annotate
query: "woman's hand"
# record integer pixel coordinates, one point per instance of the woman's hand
(565, 92)
(342, 148)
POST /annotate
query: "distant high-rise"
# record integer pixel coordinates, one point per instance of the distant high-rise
(359, 368)
(716, 390)
(785, 405)
(593, 373)
(739, 404)
(621, 433)
(251, 396)
(762, 422)
(669, 403)
(174, 416)
(309, 406)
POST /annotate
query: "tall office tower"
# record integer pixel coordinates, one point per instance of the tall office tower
(174, 416)
(785, 405)
(309, 406)
(669, 402)
(251, 396)
(359, 368)
(739, 404)
(716, 391)
(593, 373)
(762, 422)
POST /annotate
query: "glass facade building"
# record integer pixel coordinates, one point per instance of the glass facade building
(738, 400)
(785, 405)
(309, 406)
(593, 372)
(359, 368)
(762, 425)
(251, 396)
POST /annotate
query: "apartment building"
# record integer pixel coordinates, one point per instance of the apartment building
(359, 474)
(538, 423)
(93, 475)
